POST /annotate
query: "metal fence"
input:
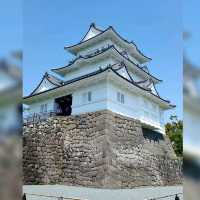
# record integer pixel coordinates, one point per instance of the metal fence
(36, 117)
(52, 197)
(177, 196)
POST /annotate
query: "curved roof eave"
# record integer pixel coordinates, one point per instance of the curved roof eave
(46, 75)
(70, 48)
(148, 90)
(98, 72)
(81, 42)
(110, 47)
(92, 25)
(131, 43)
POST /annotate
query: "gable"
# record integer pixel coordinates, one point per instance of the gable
(123, 72)
(153, 89)
(91, 33)
(44, 85)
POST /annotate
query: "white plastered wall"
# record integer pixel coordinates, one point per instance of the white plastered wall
(88, 68)
(98, 101)
(35, 107)
(104, 96)
(104, 44)
(135, 106)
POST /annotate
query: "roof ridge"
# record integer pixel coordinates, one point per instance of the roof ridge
(103, 31)
(109, 47)
(97, 72)
(92, 25)
(46, 75)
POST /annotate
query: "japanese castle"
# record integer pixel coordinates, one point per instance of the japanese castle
(108, 73)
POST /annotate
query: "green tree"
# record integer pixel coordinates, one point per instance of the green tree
(174, 130)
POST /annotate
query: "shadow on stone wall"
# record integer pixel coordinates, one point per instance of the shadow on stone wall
(100, 149)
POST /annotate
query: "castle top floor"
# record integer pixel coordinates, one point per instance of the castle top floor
(96, 39)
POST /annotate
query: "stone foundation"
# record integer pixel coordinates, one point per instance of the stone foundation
(100, 149)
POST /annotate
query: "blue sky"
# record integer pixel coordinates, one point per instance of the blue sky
(155, 26)
(11, 26)
(191, 25)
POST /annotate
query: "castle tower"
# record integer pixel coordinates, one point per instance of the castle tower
(108, 73)
(107, 130)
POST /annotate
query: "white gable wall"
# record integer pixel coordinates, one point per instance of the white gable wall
(153, 90)
(123, 72)
(135, 77)
(45, 85)
(91, 33)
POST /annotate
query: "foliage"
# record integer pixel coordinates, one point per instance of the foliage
(174, 130)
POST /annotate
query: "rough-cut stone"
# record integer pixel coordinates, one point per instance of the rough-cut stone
(100, 149)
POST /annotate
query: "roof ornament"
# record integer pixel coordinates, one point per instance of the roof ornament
(109, 65)
(93, 25)
(46, 74)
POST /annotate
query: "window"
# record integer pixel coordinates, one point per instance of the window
(120, 97)
(87, 97)
(43, 108)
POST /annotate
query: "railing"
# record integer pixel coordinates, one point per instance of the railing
(36, 117)
(48, 196)
(176, 196)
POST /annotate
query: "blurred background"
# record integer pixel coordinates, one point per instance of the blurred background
(10, 99)
(191, 99)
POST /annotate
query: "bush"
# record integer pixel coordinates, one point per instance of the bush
(174, 130)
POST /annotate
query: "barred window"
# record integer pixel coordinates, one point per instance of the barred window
(87, 97)
(120, 97)
(43, 108)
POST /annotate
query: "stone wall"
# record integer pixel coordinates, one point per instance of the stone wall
(100, 149)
